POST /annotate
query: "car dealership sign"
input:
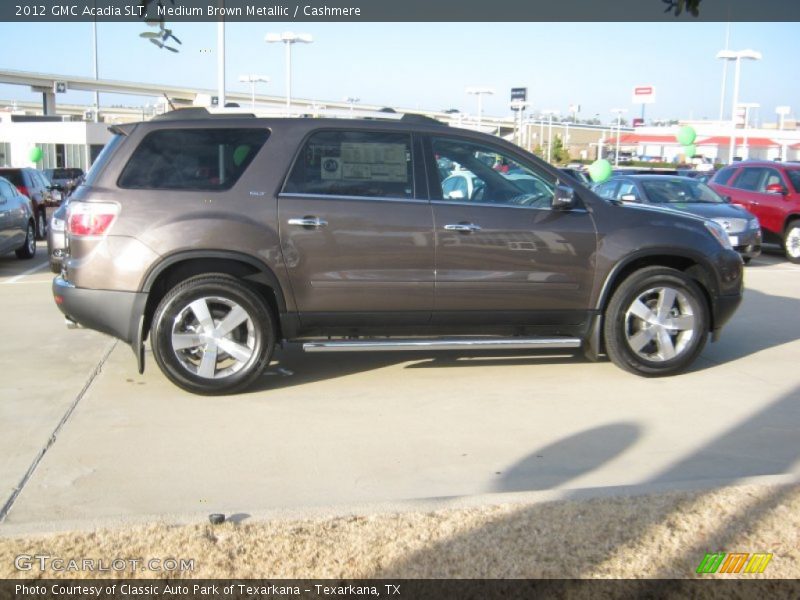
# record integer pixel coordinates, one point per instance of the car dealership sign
(644, 94)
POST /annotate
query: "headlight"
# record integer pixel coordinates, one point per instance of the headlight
(754, 224)
(732, 226)
(718, 232)
(57, 224)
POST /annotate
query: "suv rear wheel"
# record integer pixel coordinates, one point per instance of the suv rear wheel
(791, 241)
(41, 225)
(212, 334)
(656, 322)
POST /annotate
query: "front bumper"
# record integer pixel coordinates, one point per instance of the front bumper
(748, 243)
(113, 312)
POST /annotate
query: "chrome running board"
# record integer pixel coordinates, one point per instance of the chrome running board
(383, 345)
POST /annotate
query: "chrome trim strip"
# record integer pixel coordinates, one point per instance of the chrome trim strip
(366, 198)
(442, 344)
(491, 205)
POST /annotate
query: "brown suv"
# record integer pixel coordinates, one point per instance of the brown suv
(220, 236)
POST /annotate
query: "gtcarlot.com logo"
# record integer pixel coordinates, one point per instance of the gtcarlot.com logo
(42, 562)
(734, 562)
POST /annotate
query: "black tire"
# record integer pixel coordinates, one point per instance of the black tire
(255, 335)
(791, 241)
(669, 342)
(746, 259)
(41, 224)
(28, 248)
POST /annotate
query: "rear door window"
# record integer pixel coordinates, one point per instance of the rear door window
(192, 159)
(370, 164)
(724, 176)
(749, 179)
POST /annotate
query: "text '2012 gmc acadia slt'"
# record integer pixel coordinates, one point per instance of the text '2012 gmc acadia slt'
(220, 236)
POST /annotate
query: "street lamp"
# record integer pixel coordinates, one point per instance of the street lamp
(618, 112)
(549, 114)
(479, 92)
(352, 100)
(288, 38)
(736, 55)
(746, 106)
(253, 80)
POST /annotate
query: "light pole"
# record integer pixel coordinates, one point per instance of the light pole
(736, 55)
(289, 38)
(746, 106)
(479, 92)
(253, 80)
(549, 114)
(352, 101)
(618, 112)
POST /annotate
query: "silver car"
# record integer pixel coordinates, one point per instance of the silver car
(17, 225)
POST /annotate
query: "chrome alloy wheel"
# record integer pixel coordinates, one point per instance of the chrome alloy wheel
(213, 337)
(659, 324)
(792, 242)
(31, 239)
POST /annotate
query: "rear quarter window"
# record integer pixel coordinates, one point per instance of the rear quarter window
(192, 159)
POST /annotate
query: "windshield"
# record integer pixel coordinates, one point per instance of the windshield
(674, 191)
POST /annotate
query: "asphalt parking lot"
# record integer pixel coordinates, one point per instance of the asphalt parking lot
(84, 439)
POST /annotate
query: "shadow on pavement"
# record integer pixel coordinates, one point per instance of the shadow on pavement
(536, 541)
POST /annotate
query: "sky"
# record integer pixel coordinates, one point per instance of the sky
(429, 65)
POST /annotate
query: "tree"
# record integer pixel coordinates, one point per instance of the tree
(677, 6)
(559, 153)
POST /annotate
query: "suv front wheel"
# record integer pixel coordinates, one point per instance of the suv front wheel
(212, 335)
(656, 322)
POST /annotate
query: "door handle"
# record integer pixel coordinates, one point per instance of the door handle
(310, 222)
(463, 227)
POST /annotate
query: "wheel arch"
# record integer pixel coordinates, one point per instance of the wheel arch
(180, 266)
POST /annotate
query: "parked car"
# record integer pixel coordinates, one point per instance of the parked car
(692, 196)
(218, 237)
(771, 191)
(35, 185)
(64, 179)
(17, 224)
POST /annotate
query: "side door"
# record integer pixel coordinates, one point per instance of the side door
(357, 231)
(744, 188)
(503, 255)
(773, 205)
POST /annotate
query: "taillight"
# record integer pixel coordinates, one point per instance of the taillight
(23, 190)
(90, 218)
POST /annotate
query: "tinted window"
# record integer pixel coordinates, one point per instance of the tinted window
(495, 176)
(13, 175)
(772, 177)
(794, 177)
(354, 163)
(749, 179)
(192, 159)
(724, 176)
(626, 188)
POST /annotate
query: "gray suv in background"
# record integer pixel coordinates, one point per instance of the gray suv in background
(220, 236)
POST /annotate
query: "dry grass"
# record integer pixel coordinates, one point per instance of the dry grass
(663, 535)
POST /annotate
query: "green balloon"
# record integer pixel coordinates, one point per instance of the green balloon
(36, 154)
(690, 150)
(600, 170)
(686, 136)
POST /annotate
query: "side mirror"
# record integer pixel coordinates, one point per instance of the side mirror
(726, 199)
(776, 188)
(629, 198)
(564, 198)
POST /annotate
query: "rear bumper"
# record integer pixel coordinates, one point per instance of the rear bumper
(116, 313)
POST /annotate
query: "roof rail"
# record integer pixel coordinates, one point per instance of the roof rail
(196, 112)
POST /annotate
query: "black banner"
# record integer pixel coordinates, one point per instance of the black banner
(462, 589)
(401, 10)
